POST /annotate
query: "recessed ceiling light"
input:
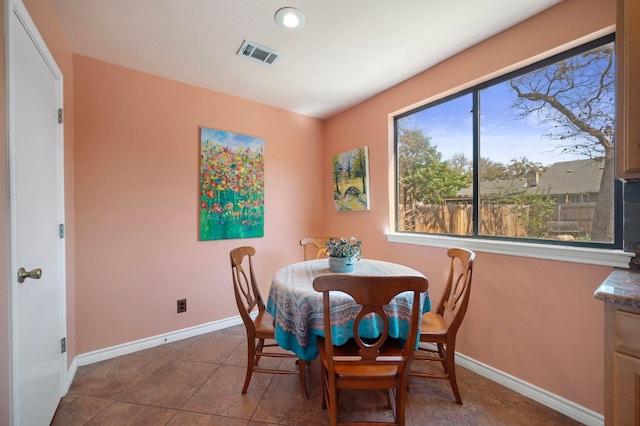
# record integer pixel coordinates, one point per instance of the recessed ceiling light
(290, 18)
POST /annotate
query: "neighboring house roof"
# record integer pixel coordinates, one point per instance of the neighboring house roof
(572, 177)
(500, 186)
(565, 177)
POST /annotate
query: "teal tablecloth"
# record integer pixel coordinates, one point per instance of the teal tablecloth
(297, 307)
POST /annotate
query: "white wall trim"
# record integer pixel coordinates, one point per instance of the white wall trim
(150, 342)
(562, 253)
(71, 374)
(555, 402)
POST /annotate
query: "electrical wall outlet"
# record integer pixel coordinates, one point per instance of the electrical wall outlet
(182, 305)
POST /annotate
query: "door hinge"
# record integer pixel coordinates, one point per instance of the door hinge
(63, 345)
(60, 120)
(61, 230)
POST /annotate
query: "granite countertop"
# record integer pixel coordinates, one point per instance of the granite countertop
(622, 286)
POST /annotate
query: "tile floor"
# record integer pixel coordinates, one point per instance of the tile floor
(197, 381)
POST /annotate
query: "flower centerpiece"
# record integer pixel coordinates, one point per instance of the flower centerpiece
(343, 253)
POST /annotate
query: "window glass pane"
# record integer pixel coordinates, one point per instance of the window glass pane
(434, 168)
(546, 151)
(543, 148)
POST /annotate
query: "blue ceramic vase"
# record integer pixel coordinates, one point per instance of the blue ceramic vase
(341, 264)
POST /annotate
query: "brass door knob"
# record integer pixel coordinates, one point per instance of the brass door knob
(23, 274)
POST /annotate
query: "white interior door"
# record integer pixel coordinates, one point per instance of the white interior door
(37, 211)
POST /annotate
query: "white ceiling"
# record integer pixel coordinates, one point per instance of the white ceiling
(348, 50)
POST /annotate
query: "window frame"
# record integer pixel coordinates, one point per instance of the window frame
(609, 254)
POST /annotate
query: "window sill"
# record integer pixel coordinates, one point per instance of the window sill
(590, 256)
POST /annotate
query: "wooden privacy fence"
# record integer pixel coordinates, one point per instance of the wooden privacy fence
(580, 213)
(497, 219)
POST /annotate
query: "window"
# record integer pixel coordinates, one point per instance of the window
(526, 157)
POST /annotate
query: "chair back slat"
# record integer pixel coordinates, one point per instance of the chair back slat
(455, 298)
(244, 283)
(441, 327)
(370, 348)
(314, 247)
(372, 293)
(261, 333)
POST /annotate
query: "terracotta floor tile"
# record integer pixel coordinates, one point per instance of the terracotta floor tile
(197, 381)
(215, 348)
(78, 410)
(170, 385)
(210, 348)
(283, 403)
(221, 395)
(187, 418)
(123, 414)
(111, 377)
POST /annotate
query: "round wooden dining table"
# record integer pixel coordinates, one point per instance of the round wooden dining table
(298, 311)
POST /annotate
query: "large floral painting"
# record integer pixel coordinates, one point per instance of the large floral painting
(351, 180)
(231, 185)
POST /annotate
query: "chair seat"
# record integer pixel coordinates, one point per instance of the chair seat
(432, 323)
(265, 323)
(391, 348)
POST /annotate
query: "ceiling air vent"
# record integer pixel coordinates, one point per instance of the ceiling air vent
(258, 53)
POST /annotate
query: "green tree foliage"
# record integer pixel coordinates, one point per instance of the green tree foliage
(521, 167)
(492, 170)
(463, 165)
(424, 176)
(533, 211)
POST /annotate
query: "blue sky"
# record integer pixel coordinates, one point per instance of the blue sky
(503, 136)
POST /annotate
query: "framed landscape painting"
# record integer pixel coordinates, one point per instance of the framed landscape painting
(351, 180)
(231, 185)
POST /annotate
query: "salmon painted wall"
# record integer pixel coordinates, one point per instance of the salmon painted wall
(137, 170)
(534, 319)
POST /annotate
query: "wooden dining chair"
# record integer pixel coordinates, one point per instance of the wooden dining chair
(262, 328)
(441, 327)
(365, 363)
(314, 247)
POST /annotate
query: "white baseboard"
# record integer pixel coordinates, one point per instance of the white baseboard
(71, 374)
(555, 402)
(150, 342)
